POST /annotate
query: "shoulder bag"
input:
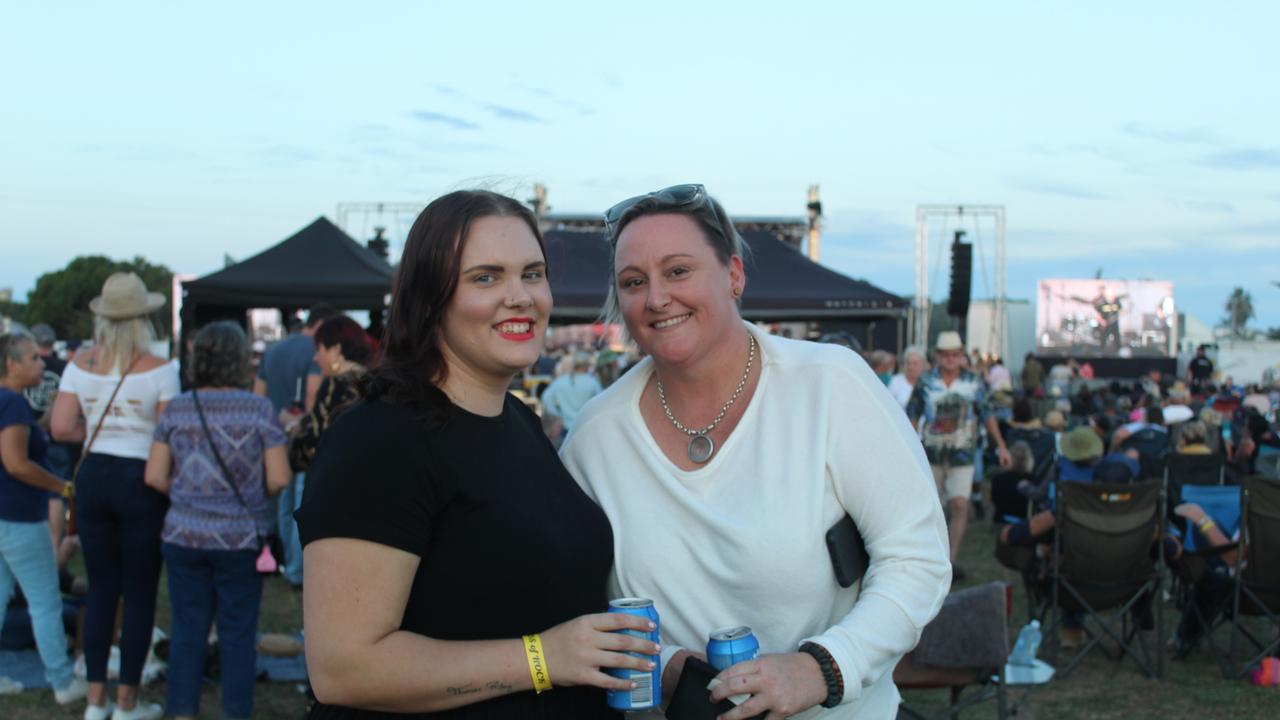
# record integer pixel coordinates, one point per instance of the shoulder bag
(266, 562)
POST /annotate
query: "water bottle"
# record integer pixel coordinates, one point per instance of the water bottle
(1027, 645)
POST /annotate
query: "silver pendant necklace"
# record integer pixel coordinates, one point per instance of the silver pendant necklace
(701, 446)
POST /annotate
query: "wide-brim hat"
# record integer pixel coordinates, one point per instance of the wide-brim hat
(124, 296)
(949, 340)
(1081, 444)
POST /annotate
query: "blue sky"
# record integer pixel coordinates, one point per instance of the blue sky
(1136, 137)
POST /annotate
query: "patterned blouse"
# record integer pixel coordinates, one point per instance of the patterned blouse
(203, 510)
(949, 415)
(333, 396)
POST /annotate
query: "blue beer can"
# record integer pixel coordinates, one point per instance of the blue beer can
(730, 646)
(647, 693)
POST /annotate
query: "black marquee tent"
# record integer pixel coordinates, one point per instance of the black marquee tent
(319, 263)
(782, 284)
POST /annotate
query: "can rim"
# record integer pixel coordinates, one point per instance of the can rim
(631, 602)
(732, 632)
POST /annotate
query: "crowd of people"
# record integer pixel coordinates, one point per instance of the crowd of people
(455, 549)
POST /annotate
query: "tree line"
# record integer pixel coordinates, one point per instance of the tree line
(61, 298)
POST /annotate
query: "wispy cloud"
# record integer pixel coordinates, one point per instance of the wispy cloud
(1244, 159)
(1041, 186)
(1188, 136)
(564, 102)
(510, 113)
(452, 121)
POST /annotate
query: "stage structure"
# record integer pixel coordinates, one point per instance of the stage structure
(985, 226)
(363, 219)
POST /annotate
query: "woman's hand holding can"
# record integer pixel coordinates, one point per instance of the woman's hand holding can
(578, 649)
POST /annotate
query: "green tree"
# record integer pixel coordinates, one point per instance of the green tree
(61, 298)
(13, 310)
(1239, 312)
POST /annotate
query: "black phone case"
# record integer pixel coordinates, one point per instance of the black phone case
(849, 556)
(691, 699)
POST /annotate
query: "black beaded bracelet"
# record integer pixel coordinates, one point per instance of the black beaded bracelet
(830, 673)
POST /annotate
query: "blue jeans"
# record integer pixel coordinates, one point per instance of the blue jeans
(290, 499)
(204, 585)
(120, 520)
(26, 555)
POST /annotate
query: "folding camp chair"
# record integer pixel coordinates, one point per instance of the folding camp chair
(1152, 446)
(1257, 577)
(1183, 469)
(967, 644)
(1043, 448)
(1222, 504)
(1102, 561)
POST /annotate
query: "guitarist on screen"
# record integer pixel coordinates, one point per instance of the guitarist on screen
(1108, 311)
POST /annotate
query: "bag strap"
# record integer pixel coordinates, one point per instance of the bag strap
(103, 418)
(226, 474)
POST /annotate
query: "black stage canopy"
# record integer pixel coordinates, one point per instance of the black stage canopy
(319, 263)
(782, 284)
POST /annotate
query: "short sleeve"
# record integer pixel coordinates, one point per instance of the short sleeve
(14, 410)
(369, 480)
(313, 368)
(169, 384)
(67, 383)
(269, 426)
(164, 425)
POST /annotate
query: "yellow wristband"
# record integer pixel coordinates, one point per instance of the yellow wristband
(1205, 524)
(537, 665)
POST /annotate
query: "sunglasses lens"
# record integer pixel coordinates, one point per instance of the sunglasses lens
(674, 196)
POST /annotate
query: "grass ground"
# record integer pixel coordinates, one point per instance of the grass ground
(1099, 688)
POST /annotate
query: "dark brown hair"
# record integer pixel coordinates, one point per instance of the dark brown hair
(220, 356)
(343, 331)
(411, 366)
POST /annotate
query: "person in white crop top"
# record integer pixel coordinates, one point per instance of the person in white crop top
(119, 518)
(725, 456)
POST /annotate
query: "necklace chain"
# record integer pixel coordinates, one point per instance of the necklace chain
(742, 384)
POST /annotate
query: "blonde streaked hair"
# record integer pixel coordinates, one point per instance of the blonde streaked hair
(119, 340)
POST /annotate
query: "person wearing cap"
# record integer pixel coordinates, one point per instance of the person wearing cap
(947, 405)
(119, 517)
(566, 395)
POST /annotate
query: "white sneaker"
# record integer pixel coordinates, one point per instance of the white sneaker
(75, 690)
(95, 712)
(141, 711)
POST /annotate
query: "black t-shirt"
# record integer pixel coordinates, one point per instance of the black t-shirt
(1201, 368)
(510, 545)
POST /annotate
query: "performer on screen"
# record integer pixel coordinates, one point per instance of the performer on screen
(1108, 310)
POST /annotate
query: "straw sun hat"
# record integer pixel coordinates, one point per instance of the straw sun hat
(949, 340)
(124, 296)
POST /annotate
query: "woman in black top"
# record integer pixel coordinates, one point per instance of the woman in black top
(439, 525)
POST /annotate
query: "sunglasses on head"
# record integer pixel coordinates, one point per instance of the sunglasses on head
(676, 196)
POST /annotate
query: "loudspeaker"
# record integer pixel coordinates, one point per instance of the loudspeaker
(961, 272)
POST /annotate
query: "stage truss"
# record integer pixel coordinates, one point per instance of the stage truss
(969, 218)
